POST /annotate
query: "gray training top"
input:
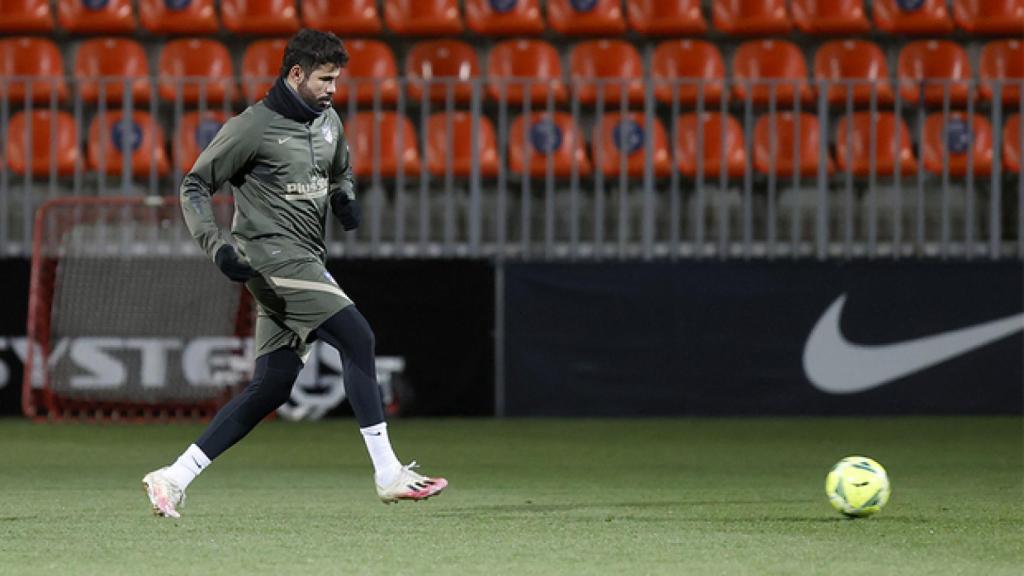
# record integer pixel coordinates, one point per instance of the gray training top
(284, 173)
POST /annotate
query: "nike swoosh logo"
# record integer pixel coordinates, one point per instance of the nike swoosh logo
(834, 364)
(283, 140)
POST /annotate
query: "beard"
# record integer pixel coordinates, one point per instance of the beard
(322, 103)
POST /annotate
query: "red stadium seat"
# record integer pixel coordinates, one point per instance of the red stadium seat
(504, 17)
(715, 127)
(191, 17)
(196, 66)
(616, 135)
(261, 65)
(912, 16)
(343, 17)
(512, 60)
(750, 17)
(260, 17)
(788, 137)
(856, 66)
(856, 157)
(996, 17)
(143, 139)
(613, 67)
(194, 134)
(459, 149)
(1012, 150)
(959, 138)
(936, 66)
(360, 133)
(551, 136)
(1002, 60)
(423, 17)
(25, 16)
(586, 17)
(371, 69)
(442, 63)
(666, 17)
(38, 62)
(96, 16)
(116, 60)
(690, 64)
(52, 133)
(830, 17)
(758, 65)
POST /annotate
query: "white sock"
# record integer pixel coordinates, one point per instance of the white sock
(385, 463)
(185, 469)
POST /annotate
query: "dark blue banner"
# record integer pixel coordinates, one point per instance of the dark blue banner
(753, 338)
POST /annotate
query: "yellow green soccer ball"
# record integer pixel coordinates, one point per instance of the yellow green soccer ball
(857, 486)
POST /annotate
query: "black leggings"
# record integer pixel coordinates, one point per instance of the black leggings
(350, 334)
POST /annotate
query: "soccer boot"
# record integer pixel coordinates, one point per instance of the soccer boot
(164, 494)
(409, 485)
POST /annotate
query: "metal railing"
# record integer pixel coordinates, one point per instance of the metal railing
(659, 201)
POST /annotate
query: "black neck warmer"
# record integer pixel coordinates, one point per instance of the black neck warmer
(286, 102)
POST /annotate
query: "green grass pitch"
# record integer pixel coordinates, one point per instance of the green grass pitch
(622, 497)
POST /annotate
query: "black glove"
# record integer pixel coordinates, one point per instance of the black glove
(231, 265)
(347, 210)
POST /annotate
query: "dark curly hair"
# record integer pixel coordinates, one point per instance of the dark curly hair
(312, 48)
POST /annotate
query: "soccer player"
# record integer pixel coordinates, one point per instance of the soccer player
(287, 159)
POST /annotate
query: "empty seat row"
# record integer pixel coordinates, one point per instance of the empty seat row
(517, 17)
(519, 70)
(713, 144)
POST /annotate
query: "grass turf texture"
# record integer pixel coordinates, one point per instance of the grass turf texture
(526, 497)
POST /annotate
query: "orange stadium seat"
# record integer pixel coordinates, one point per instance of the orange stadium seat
(853, 68)
(912, 16)
(856, 156)
(371, 69)
(997, 17)
(551, 136)
(423, 17)
(1002, 60)
(758, 65)
(715, 127)
(96, 16)
(116, 61)
(504, 17)
(666, 17)
(360, 132)
(194, 134)
(783, 161)
(750, 17)
(39, 62)
(343, 17)
(613, 67)
(260, 17)
(1012, 150)
(934, 66)
(617, 135)
(52, 133)
(143, 139)
(460, 149)
(690, 64)
(196, 66)
(25, 16)
(261, 65)
(192, 17)
(586, 17)
(442, 63)
(959, 138)
(513, 60)
(830, 17)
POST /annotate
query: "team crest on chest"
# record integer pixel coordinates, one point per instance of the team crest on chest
(328, 133)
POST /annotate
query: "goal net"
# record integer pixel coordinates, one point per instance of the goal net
(128, 319)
